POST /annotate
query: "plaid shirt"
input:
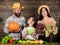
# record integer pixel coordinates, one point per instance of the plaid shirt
(21, 20)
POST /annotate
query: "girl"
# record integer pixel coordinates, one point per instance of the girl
(29, 31)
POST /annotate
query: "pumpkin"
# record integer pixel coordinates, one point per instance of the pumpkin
(13, 26)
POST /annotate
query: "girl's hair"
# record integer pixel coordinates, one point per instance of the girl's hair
(33, 20)
(40, 16)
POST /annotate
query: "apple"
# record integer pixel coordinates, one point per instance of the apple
(20, 41)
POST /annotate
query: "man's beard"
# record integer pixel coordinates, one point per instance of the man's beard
(17, 14)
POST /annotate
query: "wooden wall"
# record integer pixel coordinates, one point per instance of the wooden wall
(30, 9)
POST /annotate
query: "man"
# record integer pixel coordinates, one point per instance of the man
(16, 17)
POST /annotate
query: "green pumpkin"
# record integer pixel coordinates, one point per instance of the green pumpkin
(30, 30)
(45, 42)
(15, 41)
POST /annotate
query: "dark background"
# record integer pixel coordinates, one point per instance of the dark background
(30, 9)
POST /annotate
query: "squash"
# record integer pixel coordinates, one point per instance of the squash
(13, 26)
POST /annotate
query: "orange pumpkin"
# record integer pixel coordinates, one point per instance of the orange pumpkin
(13, 26)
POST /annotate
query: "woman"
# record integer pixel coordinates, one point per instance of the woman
(29, 31)
(45, 20)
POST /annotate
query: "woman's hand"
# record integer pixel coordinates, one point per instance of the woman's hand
(53, 21)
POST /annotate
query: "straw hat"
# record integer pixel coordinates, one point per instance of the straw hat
(16, 6)
(42, 7)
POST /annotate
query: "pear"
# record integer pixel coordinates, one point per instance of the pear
(20, 41)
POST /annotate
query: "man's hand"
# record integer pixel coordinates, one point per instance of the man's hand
(18, 30)
(14, 31)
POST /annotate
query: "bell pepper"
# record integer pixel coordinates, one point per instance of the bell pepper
(6, 39)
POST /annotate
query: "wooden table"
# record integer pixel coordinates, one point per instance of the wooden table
(33, 44)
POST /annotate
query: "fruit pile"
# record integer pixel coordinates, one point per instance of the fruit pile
(9, 39)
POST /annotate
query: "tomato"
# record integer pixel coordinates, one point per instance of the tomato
(11, 40)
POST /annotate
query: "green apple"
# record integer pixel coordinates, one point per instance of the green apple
(20, 41)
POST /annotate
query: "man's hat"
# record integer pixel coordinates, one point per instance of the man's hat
(17, 5)
(42, 7)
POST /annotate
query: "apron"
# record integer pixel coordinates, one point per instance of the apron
(15, 36)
